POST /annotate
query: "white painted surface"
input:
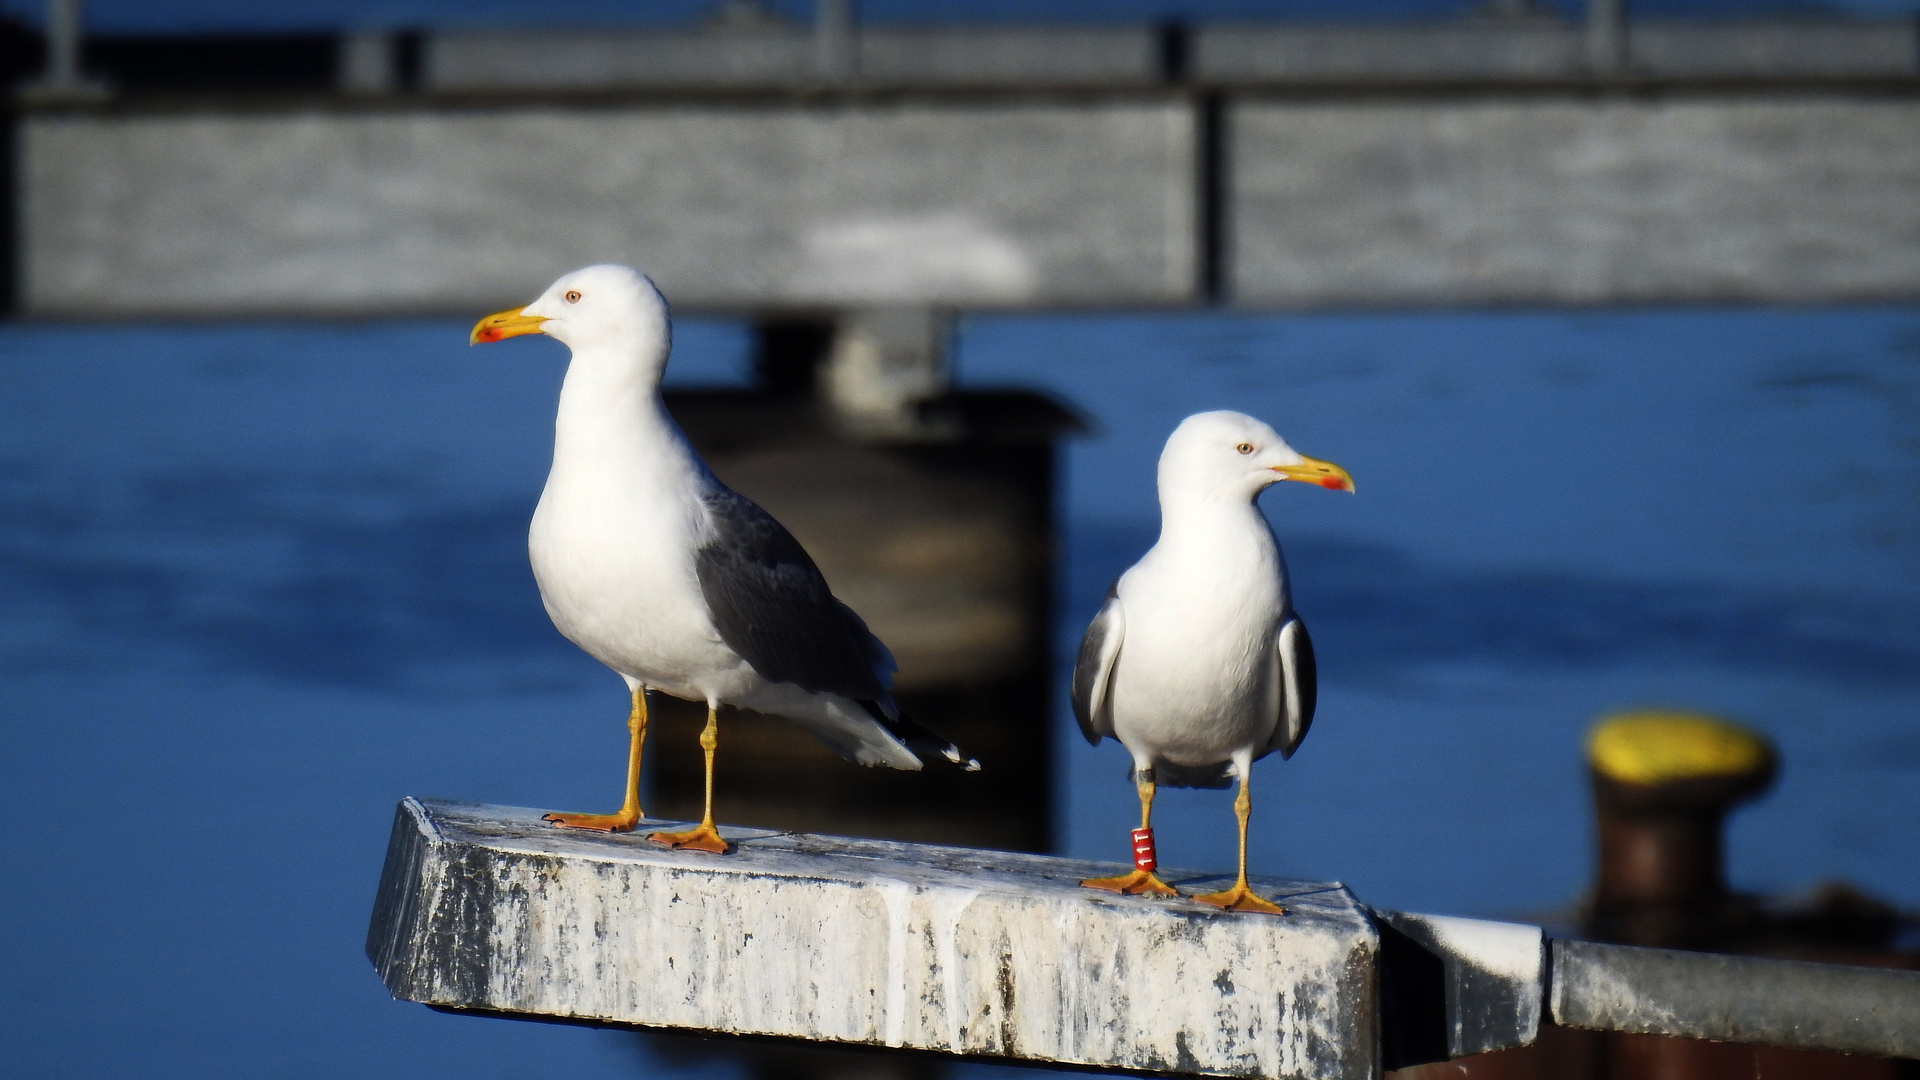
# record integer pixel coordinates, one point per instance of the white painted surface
(1509, 950)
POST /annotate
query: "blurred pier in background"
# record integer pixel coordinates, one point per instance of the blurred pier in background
(755, 165)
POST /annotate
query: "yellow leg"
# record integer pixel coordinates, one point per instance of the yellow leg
(1142, 879)
(1240, 897)
(703, 837)
(630, 811)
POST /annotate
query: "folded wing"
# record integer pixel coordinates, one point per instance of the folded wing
(1298, 687)
(1093, 670)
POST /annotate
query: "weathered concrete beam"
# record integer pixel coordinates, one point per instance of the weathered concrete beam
(951, 950)
(869, 942)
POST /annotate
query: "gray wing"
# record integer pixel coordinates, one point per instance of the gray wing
(771, 606)
(1093, 670)
(1299, 687)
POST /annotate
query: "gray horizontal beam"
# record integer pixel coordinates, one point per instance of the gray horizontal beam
(371, 211)
(1746, 999)
(1570, 201)
(1008, 203)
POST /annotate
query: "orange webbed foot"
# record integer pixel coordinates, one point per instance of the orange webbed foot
(1241, 898)
(1137, 883)
(595, 822)
(703, 837)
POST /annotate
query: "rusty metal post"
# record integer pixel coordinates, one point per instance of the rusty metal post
(1663, 784)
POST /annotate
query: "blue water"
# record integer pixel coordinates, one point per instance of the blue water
(257, 582)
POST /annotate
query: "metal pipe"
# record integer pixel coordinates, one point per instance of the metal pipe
(833, 39)
(1607, 36)
(63, 44)
(1745, 999)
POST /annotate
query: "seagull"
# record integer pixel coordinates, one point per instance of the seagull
(678, 583)
(1197, 662)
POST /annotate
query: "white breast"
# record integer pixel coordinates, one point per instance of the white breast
(612, 546)
(1190, 684)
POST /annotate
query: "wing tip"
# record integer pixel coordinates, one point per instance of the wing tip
(960, 757)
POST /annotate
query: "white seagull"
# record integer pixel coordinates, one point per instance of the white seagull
(664, 574)
(1197, 662)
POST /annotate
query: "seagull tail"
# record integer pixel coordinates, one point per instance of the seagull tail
(1167, 774)
(918, 737)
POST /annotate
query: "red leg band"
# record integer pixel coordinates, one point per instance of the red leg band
(1143, 854)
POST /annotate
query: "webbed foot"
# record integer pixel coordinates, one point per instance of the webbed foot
(1134, 884)
(702, 837)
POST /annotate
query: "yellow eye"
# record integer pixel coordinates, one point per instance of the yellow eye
(573, 297)
(1245, 448)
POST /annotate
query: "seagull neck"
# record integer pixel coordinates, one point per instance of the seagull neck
(1223, 547)
(1188, 514)
(610, 408)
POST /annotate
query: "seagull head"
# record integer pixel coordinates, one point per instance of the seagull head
(599, 309)
(1230, 455)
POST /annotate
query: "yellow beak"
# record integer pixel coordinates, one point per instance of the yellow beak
(505, 324)
(1312, 471)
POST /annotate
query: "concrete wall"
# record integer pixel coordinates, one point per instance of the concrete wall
(1015, 204)
(1574, 201)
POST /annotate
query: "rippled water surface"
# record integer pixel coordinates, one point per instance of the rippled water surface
(258, 582)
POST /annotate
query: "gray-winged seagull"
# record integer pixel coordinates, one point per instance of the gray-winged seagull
(1197, 662)
(661, 572)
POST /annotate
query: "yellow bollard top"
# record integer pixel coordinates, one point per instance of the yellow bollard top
(1657, 746)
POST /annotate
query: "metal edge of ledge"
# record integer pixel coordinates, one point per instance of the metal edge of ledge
(1744, 999)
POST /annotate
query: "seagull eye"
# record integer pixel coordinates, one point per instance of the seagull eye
(1245, 448)
(573, 296)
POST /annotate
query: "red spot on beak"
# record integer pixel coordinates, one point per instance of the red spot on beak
(1334, 483)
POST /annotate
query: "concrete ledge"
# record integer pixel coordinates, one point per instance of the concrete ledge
(869, 942)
